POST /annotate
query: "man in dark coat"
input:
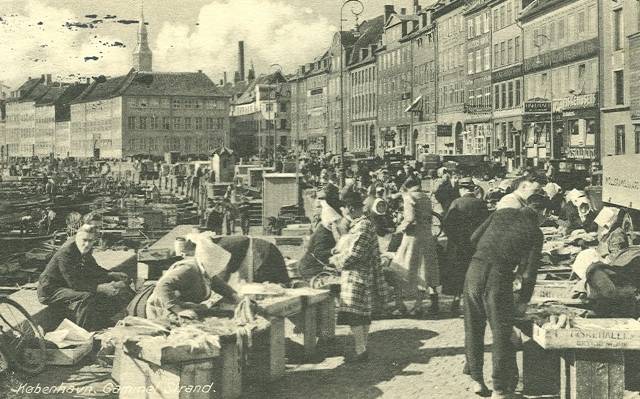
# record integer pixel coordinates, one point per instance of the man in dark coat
(73, 281)
(446, 191)
(507, 239)
(464, 216)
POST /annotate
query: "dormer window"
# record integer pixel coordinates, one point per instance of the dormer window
(364, 53)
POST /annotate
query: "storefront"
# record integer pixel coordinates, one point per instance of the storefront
(582, 127)
(536, 132)
(317, 145)
(508, 140)
(477, 137)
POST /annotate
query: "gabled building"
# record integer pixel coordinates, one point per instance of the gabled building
(149, 113)
(260, 116)
(423, 103)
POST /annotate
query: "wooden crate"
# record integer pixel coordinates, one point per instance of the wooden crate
(591, 334)
(592, 374)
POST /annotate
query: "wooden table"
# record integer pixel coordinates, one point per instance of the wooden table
(317, 310)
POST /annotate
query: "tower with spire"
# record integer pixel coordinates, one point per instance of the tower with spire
(142, 56)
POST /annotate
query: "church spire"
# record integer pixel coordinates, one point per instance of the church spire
(142, 55)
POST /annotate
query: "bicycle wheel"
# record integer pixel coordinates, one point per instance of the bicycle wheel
(436, 224)
(20, 338)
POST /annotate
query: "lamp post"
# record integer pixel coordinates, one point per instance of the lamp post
(539, 62)
(274, 96)
(356, 10)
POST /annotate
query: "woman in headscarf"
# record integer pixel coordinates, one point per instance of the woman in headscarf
(416, 260)
(183, 289)
(323, 239)
(577, 213)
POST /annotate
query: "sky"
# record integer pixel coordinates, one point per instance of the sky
(75, 39)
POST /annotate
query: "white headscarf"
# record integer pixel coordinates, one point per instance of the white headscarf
(211, 258)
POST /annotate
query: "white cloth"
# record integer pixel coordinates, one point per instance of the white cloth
(585, 259)
(328, 215)
(607, 217)
(210, 257)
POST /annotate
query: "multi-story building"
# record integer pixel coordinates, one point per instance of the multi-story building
(620, 77)
(149, 113)
(4, 91)
(423, 106)
(451, 31)
(478, 101)
(260, 115)
(338, 89)
(395, 88)
(309, 91)
(561, 55)
(37, 113)
(507, 82)
(363, 88)
(3, 131)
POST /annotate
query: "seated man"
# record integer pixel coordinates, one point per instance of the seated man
(90, 294)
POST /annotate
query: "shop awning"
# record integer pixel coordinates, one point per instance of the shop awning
(416, 105)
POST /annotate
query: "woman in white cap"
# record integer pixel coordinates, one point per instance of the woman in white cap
(188, 283)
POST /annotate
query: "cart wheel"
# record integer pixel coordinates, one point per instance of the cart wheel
(20, 338)
(436, 224)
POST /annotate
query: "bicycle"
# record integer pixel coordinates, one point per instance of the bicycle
(22, 344)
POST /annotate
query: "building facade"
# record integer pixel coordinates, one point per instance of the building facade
(477, 137)
(507, 82)
(149, 113)
(620, 77)
(561, 64)
(395, 85)
(451, 31)
(363, 89)
(260, 115)
(423, 105)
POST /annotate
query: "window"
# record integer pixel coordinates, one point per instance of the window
(503, 56)
(469, 28)
(560, 26)
(143, 123)
(131, 122)
(510, 91)
(177, 103)
(198, 123)
(187, 123)
(478, 61)
(618, 29)
(581, 22)
(509, 14)
(470, 68)
(637, 139)
(154, 122)
(487, 58)
(581, 75)
(177, 123)
(518, 94)
(209, 123)
(510, 57)
(496, 22)
(503, 92)
(496, 55)
(478, 25)
(620, 140)
(166, 123)
(487, 21)
(516, 48)
(618, 78)
(502, 17)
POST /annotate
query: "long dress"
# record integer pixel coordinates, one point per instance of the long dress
(416, 260)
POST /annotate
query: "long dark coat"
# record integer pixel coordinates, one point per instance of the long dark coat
(464, 216)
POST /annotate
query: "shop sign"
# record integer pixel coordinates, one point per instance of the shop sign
(314, 92)
(581, 153)
(582, 101)
(620, 180)
(574, 52)
(482, 41)
(444, 131)
(507, 73)
(537, 107)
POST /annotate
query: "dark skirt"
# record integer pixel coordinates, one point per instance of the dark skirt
(352, 319)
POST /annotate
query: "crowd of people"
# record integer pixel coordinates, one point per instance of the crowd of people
(493, 243)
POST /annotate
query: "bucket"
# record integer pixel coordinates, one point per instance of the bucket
(179, 245)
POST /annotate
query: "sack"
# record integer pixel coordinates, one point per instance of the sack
(138, 305)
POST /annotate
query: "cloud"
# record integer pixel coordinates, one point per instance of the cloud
(273, 32)
(40, 40)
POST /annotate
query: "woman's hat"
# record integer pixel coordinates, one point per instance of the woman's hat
(466, 182)
(212, 258)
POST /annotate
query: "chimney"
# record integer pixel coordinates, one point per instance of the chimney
(388, 10)
(241, 59)
(88, 80)
(221, 82)
(48, 79)
(225, 78)
(403, 11)
(42, 78)
(199, 70)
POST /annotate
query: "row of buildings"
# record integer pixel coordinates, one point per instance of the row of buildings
(518, 81)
